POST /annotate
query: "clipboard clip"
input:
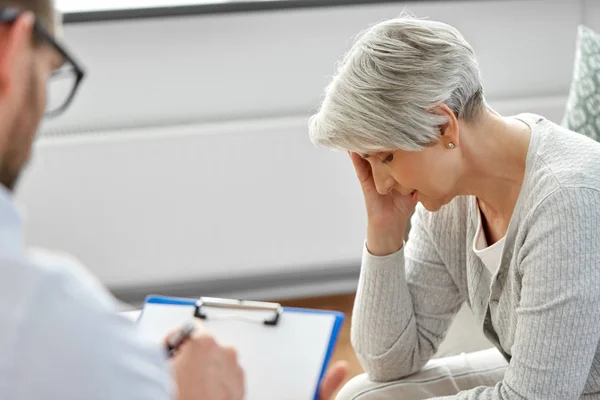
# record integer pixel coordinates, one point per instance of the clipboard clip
(204, 302)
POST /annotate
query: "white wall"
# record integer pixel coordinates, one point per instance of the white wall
(247, 195)
(231, 66)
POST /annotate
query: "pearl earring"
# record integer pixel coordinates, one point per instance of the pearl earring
(451, 145)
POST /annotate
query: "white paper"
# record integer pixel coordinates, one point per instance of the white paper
(280, 362)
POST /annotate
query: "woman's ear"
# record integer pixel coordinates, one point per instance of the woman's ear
(450, 130)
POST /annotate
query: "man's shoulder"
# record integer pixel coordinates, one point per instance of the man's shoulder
(68, 339)
(52, 284)
(63, 275)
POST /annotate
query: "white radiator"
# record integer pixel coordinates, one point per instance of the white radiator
(175, 204)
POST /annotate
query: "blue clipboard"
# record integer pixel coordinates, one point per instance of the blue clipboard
(338, 322)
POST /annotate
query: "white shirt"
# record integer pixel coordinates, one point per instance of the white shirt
(60, 335)
(489, 255)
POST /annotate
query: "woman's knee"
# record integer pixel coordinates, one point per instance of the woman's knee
(415, 387)
(358, 388)
(362, 388)
(441, 377)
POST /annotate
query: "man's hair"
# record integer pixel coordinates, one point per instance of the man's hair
(387, 87)
(43, 9)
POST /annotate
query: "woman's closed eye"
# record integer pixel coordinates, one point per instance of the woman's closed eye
(388, 159)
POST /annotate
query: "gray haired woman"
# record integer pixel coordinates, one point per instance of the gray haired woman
(508, 222)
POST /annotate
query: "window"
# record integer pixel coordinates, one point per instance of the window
(78, 6)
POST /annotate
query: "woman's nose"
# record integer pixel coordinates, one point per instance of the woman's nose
(384, 184)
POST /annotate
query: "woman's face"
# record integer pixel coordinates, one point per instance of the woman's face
(431, 175)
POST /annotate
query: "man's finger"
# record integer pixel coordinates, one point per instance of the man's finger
(333, 380)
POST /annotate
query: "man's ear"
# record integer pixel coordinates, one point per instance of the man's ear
(450, 130)
(15, 41)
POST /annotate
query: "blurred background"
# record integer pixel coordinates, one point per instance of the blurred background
(184, 165)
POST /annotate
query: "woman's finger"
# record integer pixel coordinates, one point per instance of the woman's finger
(361, 166)
(363, 171)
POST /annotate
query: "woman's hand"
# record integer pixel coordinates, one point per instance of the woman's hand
(387, 214)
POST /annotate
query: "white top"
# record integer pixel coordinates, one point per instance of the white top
(60, 334)
(489, 255)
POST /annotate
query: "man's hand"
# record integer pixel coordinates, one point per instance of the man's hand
(332, 380)
(206, 370)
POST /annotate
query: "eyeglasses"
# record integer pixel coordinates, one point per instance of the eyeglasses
(64, 82)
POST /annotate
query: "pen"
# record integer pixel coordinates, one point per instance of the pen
(175, 341)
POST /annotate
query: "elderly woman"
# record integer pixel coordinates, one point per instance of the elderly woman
(508, 221)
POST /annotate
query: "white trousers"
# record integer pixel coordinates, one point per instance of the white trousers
(441, 377)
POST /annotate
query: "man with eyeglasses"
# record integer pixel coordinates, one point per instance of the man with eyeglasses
(60, 334)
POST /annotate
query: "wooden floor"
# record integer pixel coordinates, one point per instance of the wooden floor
(341, 303)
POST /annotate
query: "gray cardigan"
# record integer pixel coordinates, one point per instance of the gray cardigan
(541, 309)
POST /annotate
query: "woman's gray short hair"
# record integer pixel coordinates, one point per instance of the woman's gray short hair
(385, 88)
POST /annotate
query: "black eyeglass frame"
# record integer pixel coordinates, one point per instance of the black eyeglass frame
(10, 15)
